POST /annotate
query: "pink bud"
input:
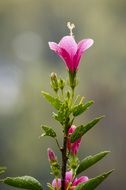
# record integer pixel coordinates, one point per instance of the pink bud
(56, 183)
(79, 180)
(51, 155)
(73, 147)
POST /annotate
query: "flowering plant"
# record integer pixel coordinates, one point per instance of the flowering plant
(67, 107)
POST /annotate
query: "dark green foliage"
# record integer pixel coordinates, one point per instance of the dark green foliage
(82, 129)
(94, 182)
(89, 161)
(63, 114)
(80, 108)
(24, 182)
(48, 132)
(55, 102)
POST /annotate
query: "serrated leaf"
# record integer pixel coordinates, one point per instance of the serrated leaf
(93, 182)
(79, 109)
(24, 182)
(55, 102)
(82, 129)
(48, 132)
(89, 161)
(2, 170)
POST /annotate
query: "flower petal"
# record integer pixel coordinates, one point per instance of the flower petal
(83, 45)
(69, 176)
(62, 53)
(75, 146)
(66, 57)
(81, 179)
(68, 43)
(56, 183)
(71, 129)
(53, 46)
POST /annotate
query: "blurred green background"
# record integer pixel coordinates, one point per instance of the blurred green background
(26, 62)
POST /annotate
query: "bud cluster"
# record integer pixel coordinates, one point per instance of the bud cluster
(56, 83)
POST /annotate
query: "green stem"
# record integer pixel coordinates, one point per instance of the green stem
(72, 93)
(57, 143)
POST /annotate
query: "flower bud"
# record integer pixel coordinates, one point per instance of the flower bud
(56, 183)
(54, 82)
(68, 94)
(55, 168)
(61, 83)
(51, 155)
(73, 147)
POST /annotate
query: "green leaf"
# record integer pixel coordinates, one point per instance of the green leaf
(79, 109)
(24, 182)
(93, 182)
(63, 114)
(82, 129)
(48, 132)
(89, 161)
(2, 170)
(55, 102)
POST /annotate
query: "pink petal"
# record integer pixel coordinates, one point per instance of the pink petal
(83, 45)
(72, 129)
(56, 183)
(69, 176)
(66, 57)
(53, 46)
(81, 179)
(51, 155)
(75, 146)
(62, 53)
(68, 43)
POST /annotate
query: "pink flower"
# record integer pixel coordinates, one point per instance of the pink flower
(70, 51)
(73, 147)
(51, 155)
(56, 183)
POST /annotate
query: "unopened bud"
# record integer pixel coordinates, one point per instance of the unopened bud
(55, 168)
(54, 82)
(68, 94)
(73, 147)
(51, 155)
(61, 83)
(53, 76)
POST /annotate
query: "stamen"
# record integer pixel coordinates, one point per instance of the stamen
(70, 26)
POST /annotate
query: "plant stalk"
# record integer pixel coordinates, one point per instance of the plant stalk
(64, 160)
